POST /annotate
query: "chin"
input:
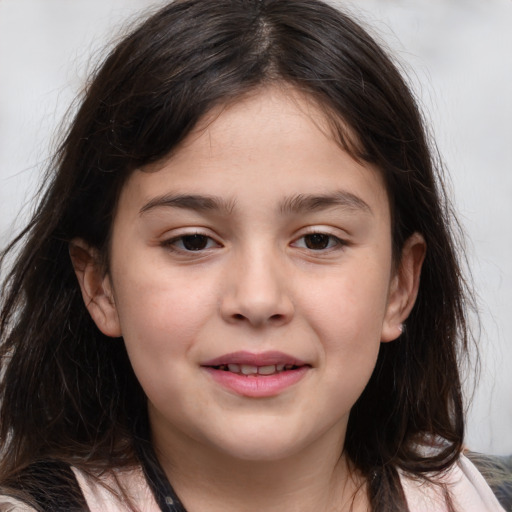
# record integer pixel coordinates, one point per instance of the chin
(259, 453)
(261, 445)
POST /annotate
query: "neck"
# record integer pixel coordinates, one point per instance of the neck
(317, 478)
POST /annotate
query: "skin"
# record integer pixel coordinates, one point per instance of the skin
(259, 282)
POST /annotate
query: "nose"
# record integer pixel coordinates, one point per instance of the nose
(257, 291)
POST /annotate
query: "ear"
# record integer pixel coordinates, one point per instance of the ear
(96, 287)
(404, 287)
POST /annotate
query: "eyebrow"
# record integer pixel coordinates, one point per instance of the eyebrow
(190, 202)
(301, 203)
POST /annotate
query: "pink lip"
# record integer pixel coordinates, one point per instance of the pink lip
(263, 359)
(260, 386)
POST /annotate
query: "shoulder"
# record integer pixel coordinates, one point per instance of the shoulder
(52, 486)
(497, 471)
(467, 487)
(8, 504)
(43, 485)
(117, 491)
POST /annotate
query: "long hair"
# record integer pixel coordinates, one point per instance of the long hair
(68, 392)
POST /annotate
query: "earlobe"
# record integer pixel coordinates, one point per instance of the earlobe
(404, 287)
(96, 287)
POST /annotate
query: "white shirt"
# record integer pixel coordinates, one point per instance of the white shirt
(468, 488)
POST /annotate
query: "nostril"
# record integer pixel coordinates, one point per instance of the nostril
(278, 317)
(255, 310)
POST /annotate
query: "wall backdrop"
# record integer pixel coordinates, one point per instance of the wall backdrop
(458, 55)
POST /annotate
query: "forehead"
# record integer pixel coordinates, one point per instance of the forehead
(262, 110)
(266, 147)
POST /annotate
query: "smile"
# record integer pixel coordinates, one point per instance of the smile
(251, 370)
(256, 375)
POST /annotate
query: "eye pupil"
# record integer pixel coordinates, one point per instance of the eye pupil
(195, 242)
(316, 241)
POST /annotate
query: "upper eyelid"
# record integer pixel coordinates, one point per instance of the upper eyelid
(184, 231)
(341, 240)
(173, 238)
(336, 232)
(188, 231)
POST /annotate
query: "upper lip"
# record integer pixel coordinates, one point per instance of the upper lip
(249, 358)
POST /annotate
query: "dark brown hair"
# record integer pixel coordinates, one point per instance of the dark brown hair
(68, 392)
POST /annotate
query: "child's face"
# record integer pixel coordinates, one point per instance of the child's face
(260, 243)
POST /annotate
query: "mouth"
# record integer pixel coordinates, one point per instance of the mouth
(256, 375)
(251, 364)
(249, 370)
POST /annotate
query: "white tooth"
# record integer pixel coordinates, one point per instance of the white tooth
(247, 369)
(279, 367)
(267, 370)
(234, 368)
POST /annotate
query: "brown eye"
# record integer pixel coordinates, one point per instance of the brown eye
(317, 241)
(194, 242)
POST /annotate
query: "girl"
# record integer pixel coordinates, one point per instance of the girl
(208, 309)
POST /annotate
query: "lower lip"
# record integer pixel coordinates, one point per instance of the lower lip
(260, 386)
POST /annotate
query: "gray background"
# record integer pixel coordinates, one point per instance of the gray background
(457, 54)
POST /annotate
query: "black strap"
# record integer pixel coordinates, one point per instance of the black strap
(52, 486)
(162, 490)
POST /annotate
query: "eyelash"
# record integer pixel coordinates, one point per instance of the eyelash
(333, 242)
(172, 244)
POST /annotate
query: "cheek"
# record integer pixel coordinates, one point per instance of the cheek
(160, 327)
(349, 307)
(161, 314)
(347, 314)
